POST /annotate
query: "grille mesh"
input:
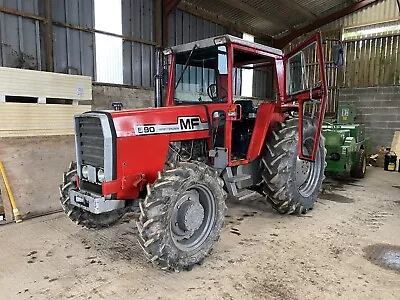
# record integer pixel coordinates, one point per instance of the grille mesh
(91, 141)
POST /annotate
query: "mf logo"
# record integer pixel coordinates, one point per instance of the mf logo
(189, 123)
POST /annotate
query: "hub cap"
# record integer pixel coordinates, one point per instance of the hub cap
(193, 217)
(307, 173)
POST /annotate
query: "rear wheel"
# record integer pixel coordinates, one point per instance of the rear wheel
(292, 185)
(78, 215)
(182, 216)
(360, 167)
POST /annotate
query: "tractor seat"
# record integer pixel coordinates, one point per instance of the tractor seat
(249, 111)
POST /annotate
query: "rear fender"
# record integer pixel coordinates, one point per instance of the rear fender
(268, 114)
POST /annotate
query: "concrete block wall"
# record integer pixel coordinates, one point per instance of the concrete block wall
(378, 108)
(105, 95)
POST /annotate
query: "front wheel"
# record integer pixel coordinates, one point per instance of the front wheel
(182, 216)
(78, 215)
(292, 185)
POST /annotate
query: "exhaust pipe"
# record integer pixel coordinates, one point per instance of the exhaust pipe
(158, 78)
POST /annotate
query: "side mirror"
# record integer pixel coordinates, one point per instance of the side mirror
(338, 55)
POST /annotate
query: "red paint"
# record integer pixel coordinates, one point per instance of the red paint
(265, 116)
(141, 157)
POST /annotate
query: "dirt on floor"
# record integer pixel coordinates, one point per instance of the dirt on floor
(346, 248)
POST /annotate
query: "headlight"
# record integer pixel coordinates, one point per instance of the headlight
(100, 175)
(85, 171)
(220, 40)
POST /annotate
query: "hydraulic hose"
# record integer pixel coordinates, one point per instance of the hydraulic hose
(16, 213)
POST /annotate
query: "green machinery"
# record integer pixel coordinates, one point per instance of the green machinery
(346, 144)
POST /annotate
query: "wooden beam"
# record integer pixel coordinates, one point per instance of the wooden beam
(213, 17)
(48, 35)
(91, 30)
(167, 8)
(300, 8)
(257, 13)
(280, 43)
(20, 13)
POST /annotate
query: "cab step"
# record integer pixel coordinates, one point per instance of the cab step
(239, 178)
(247, 195)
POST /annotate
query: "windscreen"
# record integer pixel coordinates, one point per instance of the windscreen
(199, 74)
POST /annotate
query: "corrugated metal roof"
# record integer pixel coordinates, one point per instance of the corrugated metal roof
(379, 12)
(272, 17)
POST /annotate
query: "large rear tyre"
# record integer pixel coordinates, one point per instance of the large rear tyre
(292, 185)
(182, 216)
(360, 167)
(78, 215)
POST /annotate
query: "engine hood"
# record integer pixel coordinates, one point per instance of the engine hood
(163, 120)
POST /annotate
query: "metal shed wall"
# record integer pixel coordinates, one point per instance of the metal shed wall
(20, 37)
(184, 28)
(73, 50)
(372, 60)
(23, 44)
(138, 21)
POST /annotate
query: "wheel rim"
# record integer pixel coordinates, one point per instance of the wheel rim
(308, 173)
(193, 217)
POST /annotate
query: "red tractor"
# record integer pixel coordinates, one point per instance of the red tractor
(181, 161)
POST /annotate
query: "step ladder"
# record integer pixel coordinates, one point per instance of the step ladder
(236, 193)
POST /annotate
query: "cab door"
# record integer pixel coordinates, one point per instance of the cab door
(305, 84)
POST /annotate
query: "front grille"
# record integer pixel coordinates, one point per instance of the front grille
(91, 141)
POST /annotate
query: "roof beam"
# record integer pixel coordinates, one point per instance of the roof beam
(259, 14)
(280, 43)
(167, 7)
(300, 8)
(213, 17)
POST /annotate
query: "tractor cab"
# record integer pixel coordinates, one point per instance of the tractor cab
(212, 73)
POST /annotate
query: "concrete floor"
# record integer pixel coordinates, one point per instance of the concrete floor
(323, 255)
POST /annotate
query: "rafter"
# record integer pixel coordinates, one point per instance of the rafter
(167, 7)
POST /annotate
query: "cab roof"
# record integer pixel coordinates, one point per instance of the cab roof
(209, 42)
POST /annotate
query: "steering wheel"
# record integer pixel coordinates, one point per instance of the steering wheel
(212, 92)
